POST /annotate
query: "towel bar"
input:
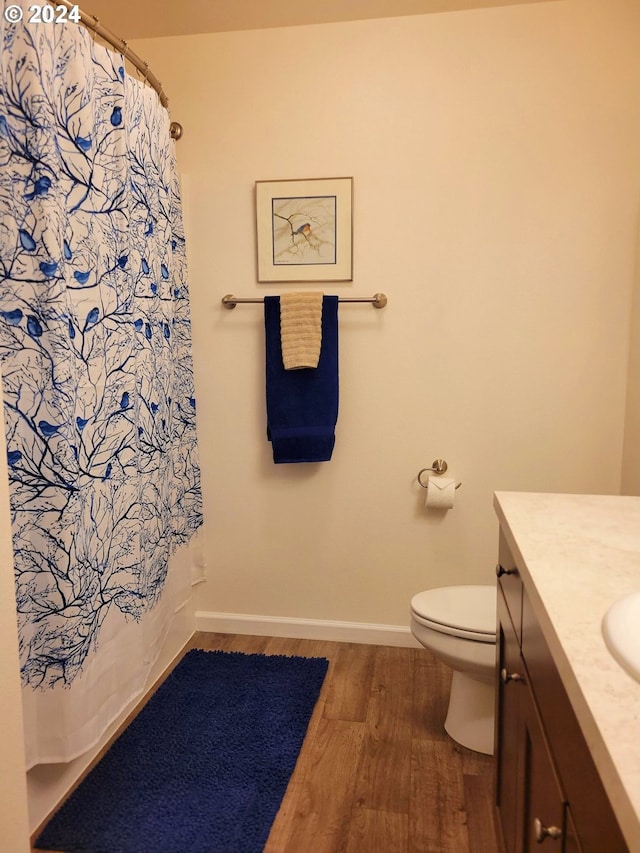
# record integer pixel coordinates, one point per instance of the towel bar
(379, 300)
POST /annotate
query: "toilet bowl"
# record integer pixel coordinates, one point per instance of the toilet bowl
(458, 624)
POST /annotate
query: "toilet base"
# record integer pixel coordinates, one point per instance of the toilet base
(471, 714)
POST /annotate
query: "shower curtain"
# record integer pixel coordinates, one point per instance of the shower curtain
(95, 353)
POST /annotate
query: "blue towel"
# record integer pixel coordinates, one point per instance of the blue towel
(302, 405)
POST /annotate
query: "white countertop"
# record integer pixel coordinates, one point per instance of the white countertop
(578, 554)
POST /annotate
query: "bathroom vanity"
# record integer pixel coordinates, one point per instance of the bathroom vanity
(567, 714)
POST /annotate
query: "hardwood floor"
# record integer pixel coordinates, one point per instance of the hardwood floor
(377, 773)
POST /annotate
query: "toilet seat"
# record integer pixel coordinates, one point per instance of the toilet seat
(468, 612)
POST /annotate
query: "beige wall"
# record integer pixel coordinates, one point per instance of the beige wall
(495, 158)
(631, 455)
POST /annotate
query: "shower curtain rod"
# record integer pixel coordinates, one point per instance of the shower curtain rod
(92, 23)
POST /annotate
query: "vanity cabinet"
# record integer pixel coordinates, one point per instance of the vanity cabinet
(548, 794)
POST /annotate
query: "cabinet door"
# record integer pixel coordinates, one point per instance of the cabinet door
(544, 808)
(508, 728)
(591, 810)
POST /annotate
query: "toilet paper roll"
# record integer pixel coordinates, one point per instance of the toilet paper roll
(441, 493)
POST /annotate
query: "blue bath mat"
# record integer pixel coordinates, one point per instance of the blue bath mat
(203, 767)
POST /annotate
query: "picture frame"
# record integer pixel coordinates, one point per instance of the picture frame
(305, 230)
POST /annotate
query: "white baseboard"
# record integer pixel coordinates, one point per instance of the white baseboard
(305, 629)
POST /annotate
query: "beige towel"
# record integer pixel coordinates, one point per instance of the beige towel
(300, 329)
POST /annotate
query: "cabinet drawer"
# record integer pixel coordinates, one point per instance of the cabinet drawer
(510, 583)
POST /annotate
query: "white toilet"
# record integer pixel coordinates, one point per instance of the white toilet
(458, 624)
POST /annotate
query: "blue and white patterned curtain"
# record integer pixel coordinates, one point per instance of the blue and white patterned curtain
(95, 353)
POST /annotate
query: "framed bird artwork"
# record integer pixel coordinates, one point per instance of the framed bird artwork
(305, 229)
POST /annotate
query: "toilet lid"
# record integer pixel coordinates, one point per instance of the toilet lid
(465, 608)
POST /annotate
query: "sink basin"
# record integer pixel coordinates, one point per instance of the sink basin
(621, 632)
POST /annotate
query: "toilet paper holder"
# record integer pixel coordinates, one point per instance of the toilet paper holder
(439, 467)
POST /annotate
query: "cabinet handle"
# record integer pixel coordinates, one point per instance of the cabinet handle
(543, 831)
(506, 676)
(500, 570)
